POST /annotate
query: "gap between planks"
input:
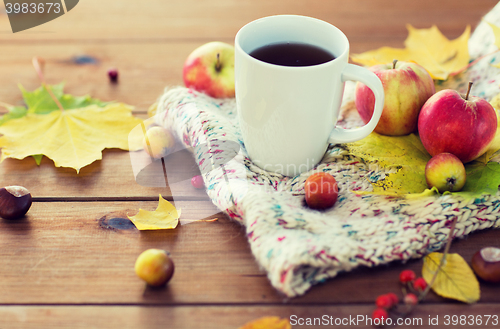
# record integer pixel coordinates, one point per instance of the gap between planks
(112, 199)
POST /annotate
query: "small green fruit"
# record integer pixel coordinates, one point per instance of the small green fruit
(445, 172)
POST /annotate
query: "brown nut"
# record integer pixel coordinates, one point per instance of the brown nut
(486, 264)
(15, 201)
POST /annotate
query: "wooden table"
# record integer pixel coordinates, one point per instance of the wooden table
(68, 265)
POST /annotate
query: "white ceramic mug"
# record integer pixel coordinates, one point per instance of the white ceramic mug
(288, 114)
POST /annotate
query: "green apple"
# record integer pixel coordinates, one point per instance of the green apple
(210, 69)
(445, 172)
(407, 86)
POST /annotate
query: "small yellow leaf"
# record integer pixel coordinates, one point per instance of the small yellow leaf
(268, 322)
(427, 47)
(455, 279)
(166, 216)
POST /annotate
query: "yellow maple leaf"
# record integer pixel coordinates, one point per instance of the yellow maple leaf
(455, 278)
(166, 216)
(405, 154)
(71, 138)
(427, 47)
(268, 322)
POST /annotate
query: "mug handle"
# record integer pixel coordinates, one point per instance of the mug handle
(358, 73)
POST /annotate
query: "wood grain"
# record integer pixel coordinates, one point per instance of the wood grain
(233, 316)
(111, 178)
(197, 19)
(149, 56)
(79, 253)
(69, 263)
(144, 70)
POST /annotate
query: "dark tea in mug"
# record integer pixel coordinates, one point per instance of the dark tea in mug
(292, 54)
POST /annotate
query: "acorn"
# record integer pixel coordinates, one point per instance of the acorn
(486, 264)
(15, 201)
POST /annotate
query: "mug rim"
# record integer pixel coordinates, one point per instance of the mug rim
(344, 53)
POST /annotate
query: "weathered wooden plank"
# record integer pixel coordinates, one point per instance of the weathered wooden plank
(76, 253)
(195, 19)
(149, 56)
(111, 177)
(144, 70)
(232, 317)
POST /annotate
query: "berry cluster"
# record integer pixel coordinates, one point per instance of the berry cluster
(413, 291)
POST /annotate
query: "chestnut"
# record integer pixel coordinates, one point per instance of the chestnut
(15, 201)
(486, 264)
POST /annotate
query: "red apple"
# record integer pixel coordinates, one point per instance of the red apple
(445, 172)
(210, 69)
(457, 124)
(406, 86)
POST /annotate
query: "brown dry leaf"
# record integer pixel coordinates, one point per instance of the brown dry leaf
(166, 216)
(268, 322)
(427, 47)
(455, 279)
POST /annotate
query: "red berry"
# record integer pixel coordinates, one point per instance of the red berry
(394, 298)
(407, 276)
(419, 284)
(321, 190)
(380, 314)
(384, 301)
(113, 75)
(197, 182)
(411, 299)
